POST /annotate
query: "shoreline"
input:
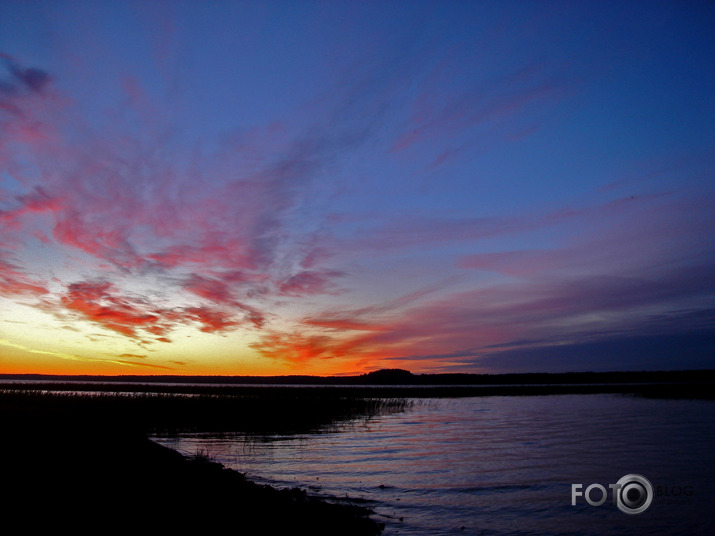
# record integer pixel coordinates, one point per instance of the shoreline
(87, 461)
(87, 464)
(91, 478)
(702, 389)
(392, 377)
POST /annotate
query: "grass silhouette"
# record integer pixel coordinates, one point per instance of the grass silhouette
(83, 461)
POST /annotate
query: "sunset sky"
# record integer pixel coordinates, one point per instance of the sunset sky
(337, 187)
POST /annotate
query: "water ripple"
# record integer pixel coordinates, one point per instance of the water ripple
(497, 465)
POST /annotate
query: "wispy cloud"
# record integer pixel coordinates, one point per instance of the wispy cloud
(444, 115)
(135, 317)
(609, 284)
(14, 282)
(73, 357)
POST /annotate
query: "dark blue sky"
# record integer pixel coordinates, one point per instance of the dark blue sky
(328, 188)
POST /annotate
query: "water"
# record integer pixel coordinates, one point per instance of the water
(499, 465)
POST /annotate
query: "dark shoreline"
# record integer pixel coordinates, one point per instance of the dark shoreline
(103, 479)
(704, 389)
(387, 383)
(396, 377)
(86, 462)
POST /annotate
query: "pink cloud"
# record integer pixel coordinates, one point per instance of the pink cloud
(299, 348)
(361, 334)
(211, 289)
(14, 282)
(220, 291)
(212, 320)
(40, 201)
(36, 202)
(309, 282)
(104, 242)
(112, 192)
(100, 302)
(114, 200)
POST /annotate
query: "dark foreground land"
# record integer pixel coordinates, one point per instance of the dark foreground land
(85, 463)
(75, 453)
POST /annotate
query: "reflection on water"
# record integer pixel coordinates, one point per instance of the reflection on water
(498, 465)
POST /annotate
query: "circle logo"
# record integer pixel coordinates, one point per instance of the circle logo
(634, 494)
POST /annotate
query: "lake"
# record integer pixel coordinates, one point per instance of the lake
(498, 465)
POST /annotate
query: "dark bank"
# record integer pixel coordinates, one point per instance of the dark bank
(84, 462)
(75, 453)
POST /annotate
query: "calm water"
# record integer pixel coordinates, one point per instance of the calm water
(499, 465)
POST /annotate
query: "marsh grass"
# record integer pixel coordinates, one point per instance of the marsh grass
(92, 449)
(266, 410)
(202, 456)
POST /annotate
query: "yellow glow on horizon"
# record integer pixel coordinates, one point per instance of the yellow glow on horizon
(33, 341)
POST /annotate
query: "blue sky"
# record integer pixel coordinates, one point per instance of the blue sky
(331, 188)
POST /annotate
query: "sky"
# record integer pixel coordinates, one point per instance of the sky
(329, 188)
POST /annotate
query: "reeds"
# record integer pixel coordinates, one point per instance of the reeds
(258, 410)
